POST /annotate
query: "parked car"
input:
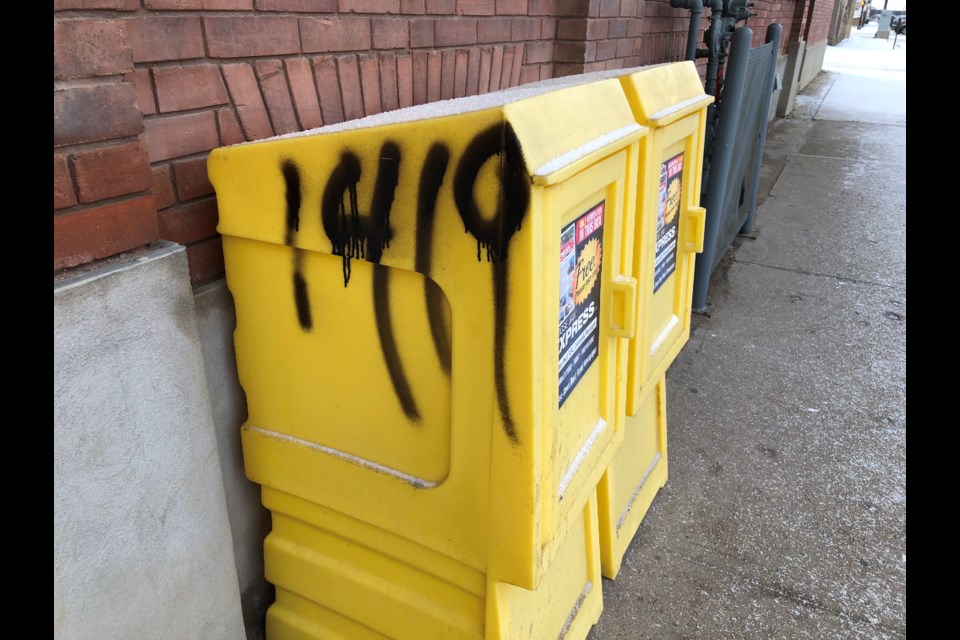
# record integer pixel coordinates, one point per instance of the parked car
(898, 24)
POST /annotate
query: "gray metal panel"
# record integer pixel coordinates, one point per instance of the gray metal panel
(721, 148)
(736, 201)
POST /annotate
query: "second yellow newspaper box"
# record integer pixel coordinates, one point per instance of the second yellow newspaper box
(670, 101)
(433, 313)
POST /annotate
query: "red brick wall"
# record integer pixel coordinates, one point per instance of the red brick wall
(665, 32)
(144, 89)
(101, 168)
(801, 18)
(767, 13)
(597, 35)
(818, 25)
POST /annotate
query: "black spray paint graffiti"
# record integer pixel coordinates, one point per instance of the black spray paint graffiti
(431, 179)
(354, 235)
(366, 237)
(291, 176)
(494, 234)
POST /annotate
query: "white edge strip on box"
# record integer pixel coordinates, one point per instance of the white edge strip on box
(420, 483)
(581, 456)
(585, 149)
(636, 492)
(674, 321)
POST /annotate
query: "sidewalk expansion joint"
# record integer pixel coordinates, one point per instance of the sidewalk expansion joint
(872, 161)
(823, 97)
(818, 275)
(780, 590)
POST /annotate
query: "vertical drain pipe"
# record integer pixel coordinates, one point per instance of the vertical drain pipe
(720, 163)
(696, 8)
(713, 38)
(773, 35)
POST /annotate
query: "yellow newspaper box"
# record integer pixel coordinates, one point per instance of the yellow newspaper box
(667, 235)
(669, 99)
(638, 472)
(432, 322)
(338, 578)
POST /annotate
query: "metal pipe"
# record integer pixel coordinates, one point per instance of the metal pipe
(713, 38)
(721, 160)
(773, 35)
(696, 8)
(710, 84)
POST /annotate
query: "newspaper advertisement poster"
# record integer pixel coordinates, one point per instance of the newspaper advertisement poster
(581, 260)
(668, 217)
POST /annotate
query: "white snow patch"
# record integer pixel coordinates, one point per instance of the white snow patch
(666, 111)
(863, 54)
(585, 149)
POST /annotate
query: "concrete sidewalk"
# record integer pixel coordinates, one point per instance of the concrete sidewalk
(785, 512)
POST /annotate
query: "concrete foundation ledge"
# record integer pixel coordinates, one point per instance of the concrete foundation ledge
(812, 62)
(249, 520)
(142, 543)
(791, 78)
(775, 97)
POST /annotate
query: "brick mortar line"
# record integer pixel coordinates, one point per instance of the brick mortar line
(183, 203)
(154, 94)
(313, 78)
(216, 120)
(293, 100)
(363, 96)
(235, 13)
(203, 37)
(72, 176)
(231, 105)
(186, 112)
(336, 68)
(86, 206)
(270, 74)
(89, 82)
(193, 156)
(173, 185)
(118, 14)
(82, 147)
(141, 11)
(187, 62)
